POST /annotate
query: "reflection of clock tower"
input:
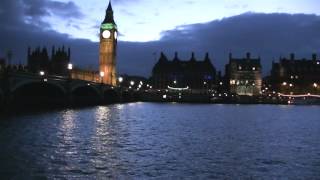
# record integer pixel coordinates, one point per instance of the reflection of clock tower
(108, 48)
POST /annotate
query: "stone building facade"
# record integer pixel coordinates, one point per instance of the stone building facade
(243, 76)
(191, 74)
(296, 76)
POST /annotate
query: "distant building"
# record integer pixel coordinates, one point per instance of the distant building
(38, 60)
(296, 76)
(191, 74)
(243, 76)
(59, 61)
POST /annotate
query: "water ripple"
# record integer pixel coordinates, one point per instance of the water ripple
(163, 141)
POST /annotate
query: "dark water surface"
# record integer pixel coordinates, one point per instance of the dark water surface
(163, 141)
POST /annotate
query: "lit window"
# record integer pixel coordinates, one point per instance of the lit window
(232, 82)
(240, 68)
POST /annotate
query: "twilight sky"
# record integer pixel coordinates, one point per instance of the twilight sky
(268, 29)
(144, 20)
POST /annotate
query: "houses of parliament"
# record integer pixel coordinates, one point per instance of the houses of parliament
(60, 62)
(243, 76)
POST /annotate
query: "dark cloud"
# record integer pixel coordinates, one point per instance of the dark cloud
(265, 35)
(35, 8)
(21, 25)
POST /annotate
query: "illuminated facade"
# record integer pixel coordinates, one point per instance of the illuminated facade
(191, 74)
(296, 76)
(86, 75)
(108, 48)
(243, 76)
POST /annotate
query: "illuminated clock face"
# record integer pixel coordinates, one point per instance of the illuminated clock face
(115, 35)
(106, 34)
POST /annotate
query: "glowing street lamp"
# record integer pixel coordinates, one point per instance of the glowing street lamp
(101, 74)
(132, 83)
(42, 73)
(284, 83)
(120, 79)
(70, 66)
(175, 82)
(315, 85)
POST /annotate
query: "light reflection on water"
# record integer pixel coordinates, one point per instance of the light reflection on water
(165, 141)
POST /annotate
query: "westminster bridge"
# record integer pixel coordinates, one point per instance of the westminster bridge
(25, 89)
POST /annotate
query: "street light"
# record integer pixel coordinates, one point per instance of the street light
(70, 66)
(42, 73)
(101, 75)
(120, 79)
(132, 83)
(315, 85)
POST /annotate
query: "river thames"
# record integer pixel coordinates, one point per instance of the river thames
(163, 141)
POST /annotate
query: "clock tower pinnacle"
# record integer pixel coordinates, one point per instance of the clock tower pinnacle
(108, 48)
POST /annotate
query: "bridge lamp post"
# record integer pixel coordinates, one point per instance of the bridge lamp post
(120, 79)
(101, 75)
(70, 66)
(315, 85)
(132, 83)
(42, 73)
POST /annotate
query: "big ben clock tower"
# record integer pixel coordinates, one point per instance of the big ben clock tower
(108, 48)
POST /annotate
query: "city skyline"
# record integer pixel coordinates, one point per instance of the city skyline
(274, 32)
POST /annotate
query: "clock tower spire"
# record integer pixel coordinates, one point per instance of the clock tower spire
(108, 48)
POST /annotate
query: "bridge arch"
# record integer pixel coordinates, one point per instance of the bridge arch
(83, 94)
(27, 82)
(111, 96)
(38, 93)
